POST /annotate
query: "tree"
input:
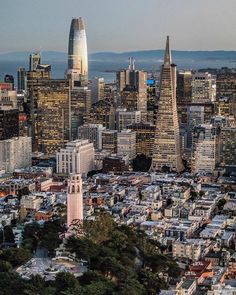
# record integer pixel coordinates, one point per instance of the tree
(23, 192)
(11, 283)
(64, 281)
(221, 203)
(142, 163)
(16, 256)
(5, 266)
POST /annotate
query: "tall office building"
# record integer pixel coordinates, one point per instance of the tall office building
(34, 81)
(226, 89)
(132, 85)
(92, 132)
(102, 112)
(80, 107)
(109, 141)
(183, 94)
(205, 148)
(145, 133)
(34, 61)
(52, 124)
(77, 51)
(126, 143)
(98, 89)
(228, 146)
(74, 199)
(167, 136)
(124, 118)
(203, 88)
(21, 79)
(76, 157)
(15, 153)
(9, 122)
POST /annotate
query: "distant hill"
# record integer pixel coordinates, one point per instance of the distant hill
(145, 55)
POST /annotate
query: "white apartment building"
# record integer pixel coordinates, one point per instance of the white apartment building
(31, 202)
(187, 249)
(77, 158)
(125, 118)
(126, 143)
(15, 153)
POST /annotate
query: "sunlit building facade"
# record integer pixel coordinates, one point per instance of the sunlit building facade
(167, 136)
(77, 49)
(53, 119)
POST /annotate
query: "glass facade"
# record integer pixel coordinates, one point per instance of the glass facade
(77, 49)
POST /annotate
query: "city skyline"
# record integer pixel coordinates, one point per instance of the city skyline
(193, 25)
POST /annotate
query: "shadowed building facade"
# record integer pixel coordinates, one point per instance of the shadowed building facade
(167, 136)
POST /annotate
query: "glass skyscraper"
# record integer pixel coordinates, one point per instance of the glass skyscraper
(77, 49)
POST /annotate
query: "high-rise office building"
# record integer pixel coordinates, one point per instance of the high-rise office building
(226, 85)
(183, 94)
(126, 143)
(226, 89)
(77, 51)
(15, 153)
(92, 132)
(167, 136)
(205, 148)
(109, 141)
(132, 85)
(34, 61)
(9, 122)
(35, 79)
(52, 124)
(145, 133)
(76, 157)
(74, 199)
(80, 107)
(21, 79)
(102, 112)
(228, 146)
(124, 118)
(98, 89)
(203, 88)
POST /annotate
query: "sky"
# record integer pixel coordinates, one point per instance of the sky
(119, 25)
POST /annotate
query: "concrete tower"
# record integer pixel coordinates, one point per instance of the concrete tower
(74, 199)
(77, 49)
(167, 138)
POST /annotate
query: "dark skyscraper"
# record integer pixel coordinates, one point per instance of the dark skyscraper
(167, 138)
(9, 79)
(77, 51)
(9, 123)
(21, 79)
(34, 61)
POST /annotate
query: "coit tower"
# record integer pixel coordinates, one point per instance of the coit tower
(77, 49)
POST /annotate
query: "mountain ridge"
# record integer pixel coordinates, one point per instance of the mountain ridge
(144, 54)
